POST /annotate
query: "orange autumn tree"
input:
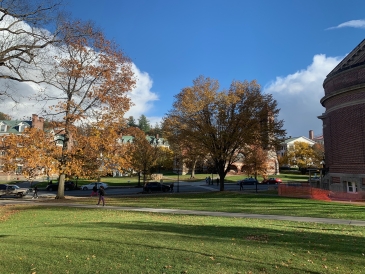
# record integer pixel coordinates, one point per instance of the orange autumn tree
(34, 150)
(223, 122)
(100, 151)
(88, 81)
(143, 155)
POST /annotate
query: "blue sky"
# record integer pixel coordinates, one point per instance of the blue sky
(288, 46)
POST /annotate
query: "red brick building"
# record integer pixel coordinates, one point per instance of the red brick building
(344, 124)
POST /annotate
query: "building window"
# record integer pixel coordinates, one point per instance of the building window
(19, 170)
(351, 187)
(3, 128)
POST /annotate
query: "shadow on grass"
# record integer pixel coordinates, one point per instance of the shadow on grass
(328, 238)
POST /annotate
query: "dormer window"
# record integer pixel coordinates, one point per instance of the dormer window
(2, 127)
(22, 127)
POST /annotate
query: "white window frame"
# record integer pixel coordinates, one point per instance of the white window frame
(2, 127)
(351, 187)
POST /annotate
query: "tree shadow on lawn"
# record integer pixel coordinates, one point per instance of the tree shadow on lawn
(296, 241)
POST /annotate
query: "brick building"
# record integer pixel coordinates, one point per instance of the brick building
(344, 124)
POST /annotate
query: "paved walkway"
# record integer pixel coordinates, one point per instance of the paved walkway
(196, 212)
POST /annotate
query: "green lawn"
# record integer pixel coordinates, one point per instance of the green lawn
(241, 203)
(74, 240)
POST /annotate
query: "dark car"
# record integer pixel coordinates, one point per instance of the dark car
(69, 185)
(248, 181)
(314, 179)
(154, 186)
(272, 181)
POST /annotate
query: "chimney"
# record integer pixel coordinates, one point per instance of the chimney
(311, 135)
(37, 122)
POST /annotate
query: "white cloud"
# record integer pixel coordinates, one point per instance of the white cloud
(351, 24)
(141, 96)
(299, 94)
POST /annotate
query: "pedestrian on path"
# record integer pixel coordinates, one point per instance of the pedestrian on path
(241, 185)
(95, 191)
(35, 193)
(172, 187)
(217, 181)
(101, 195)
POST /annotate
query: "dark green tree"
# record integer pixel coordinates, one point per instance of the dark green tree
(131, 122)
(144, 124)
(156, 130)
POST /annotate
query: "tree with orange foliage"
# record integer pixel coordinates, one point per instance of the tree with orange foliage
(222, 123)
(100, 151)
(255, 160)
(143, 155)
(91, 78)
(34, 150)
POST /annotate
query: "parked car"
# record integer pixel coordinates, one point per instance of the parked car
(91, 185)
(314, 179)
(13, 190)
(69, 185)
(272, 181)
(248, 181)
(154, 186)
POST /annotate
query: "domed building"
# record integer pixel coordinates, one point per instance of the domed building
(344, 125)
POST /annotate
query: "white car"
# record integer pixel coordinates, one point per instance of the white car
(91, 185)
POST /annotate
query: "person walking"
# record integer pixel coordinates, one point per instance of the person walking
(101, 195)
(241, 185)
(172, 187)
(95, 191)
(35, 193)
(217, 181)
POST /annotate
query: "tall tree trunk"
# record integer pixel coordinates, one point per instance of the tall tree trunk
(61, 187)
(193, 169)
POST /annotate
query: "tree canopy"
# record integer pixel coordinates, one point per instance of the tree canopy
(224, 122)
(144, 124)
(92, 77)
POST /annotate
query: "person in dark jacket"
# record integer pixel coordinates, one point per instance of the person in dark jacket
(101, 195)
(35, 192)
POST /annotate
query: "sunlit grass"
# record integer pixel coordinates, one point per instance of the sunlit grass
(241, 203)
(73, 240)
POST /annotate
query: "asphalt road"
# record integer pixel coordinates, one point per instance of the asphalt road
(181, 187)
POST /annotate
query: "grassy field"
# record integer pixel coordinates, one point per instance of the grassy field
(74, 240)
(241, 203)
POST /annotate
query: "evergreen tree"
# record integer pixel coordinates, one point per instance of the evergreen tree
(131, 122)
(144, 124)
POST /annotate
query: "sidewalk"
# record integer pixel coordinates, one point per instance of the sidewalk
(198, 213)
